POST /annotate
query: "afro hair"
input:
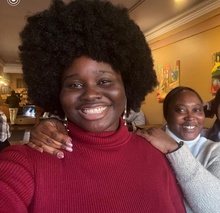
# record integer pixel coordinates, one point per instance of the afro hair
(53, 38)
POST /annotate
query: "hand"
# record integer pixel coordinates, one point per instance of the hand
(159, 139)
(50, 136)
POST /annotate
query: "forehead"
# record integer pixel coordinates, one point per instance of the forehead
(185, 97)
(87, 64)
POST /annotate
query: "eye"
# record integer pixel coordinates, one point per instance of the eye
(197, 109)
(180, 110)
(105, 82)
(75, 85)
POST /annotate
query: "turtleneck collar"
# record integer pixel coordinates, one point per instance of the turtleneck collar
(194, 145)
(101, 139)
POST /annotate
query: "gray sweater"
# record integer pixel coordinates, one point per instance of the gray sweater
(199, 176)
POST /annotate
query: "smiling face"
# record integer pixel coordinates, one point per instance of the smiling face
(92, 95)
(185, 116)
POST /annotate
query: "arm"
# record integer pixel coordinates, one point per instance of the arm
(50, 136)
(200, 184)
(16, 181)
(159, 139)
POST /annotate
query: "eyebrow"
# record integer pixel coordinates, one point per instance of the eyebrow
(105, 71)
(97, 71)
(68, 76)
(200, 105)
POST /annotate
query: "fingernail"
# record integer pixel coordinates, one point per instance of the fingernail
(69, 149)
(69, 144)
(60, 155)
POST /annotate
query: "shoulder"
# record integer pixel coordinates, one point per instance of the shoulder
(24, 156)
(209, 153)
(212, 148)
(14, 160)
(146, 147)
(14, 150)
(152, 158)
(211, 145)
(19, 153)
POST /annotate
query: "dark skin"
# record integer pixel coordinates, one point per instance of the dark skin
(50, 136)
(185, 115)
(186, 119)
(92, 96)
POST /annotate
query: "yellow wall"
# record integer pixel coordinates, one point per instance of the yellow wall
(194, 47)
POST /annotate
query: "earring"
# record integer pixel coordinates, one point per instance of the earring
(65, 123)
(124, 117)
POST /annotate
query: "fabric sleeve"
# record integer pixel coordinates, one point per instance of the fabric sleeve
(200, 185)
(139, 119)
(16, 181)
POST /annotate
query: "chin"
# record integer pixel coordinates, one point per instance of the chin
(190, 138)
(94, 128)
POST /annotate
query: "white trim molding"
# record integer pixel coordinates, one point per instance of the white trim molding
(182, 19)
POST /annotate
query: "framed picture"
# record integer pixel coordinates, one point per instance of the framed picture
(215, 81)
(168, 78)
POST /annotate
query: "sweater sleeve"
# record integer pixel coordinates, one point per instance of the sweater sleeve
(16, 180)
(200, 185)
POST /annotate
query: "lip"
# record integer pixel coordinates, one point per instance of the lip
(93, 112)
(189, 127)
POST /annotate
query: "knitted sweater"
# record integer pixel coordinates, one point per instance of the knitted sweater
(198, 174)
(107, 172)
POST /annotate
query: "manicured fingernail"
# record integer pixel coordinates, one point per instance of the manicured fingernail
(60, 155)
(69, 144)
(69, 149)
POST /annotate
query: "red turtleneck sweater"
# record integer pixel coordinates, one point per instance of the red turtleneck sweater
(107, 172)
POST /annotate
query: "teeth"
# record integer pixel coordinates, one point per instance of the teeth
(94, 110)
(189, 127)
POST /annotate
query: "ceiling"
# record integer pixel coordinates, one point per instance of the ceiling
(148, 14)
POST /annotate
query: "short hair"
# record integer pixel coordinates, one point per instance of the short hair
(53, 38)
(171, 96)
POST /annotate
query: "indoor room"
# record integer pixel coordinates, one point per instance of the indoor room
(134, 90)
(183, 36)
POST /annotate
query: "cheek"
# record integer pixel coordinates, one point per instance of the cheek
(174, 119)
(202, 119)
(174, 123)
(117, 93)
(66, 99)
(121, 99)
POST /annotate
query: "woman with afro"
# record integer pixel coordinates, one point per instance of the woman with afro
(89, 63)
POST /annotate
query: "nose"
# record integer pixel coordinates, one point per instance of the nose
(189, 116)
(91, 93)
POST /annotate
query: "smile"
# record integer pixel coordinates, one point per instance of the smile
(189, 127)
(92, 111)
